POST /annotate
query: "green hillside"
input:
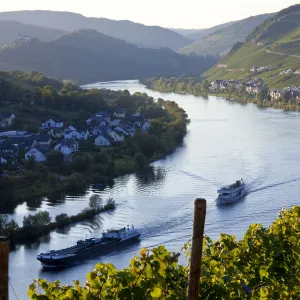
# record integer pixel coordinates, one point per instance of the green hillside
(89, 56)
(222, 40)
(274, 44)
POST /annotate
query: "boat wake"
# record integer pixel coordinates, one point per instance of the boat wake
(250, 191)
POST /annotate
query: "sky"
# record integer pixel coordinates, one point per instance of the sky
(167, 13)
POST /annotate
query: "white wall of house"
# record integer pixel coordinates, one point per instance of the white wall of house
(102, 141)
(52, 124)
(72, 135)
(3, 161)
(116, 136)
(146, 126)
(33, 152)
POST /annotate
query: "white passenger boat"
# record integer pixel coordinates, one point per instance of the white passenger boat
(232, 193)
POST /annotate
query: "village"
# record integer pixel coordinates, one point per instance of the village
(102, 129)
(254, 86)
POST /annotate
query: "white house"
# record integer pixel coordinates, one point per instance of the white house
(67, 146)
(136, 114)
(115, 123)
(3, 161)
(34, 152)
(71, 134)
(100, 130)
(120, 113)
(6, 119)
(116, 136)
(52, 124)
(126, 129)
(102, 140)
(146, 126)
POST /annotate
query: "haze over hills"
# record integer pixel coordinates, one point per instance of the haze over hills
(223, 39)
(10, 30)
(138, 34)
(88, 56)
(201, 33)
(274, 44)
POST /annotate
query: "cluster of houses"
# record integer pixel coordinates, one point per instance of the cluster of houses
(256, 69)
(287, 72)
(103, 128)
(293, 91)
(252, 87)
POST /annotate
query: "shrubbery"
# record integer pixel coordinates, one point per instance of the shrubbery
(265, 264)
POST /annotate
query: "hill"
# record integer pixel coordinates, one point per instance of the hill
(274, 44)
(138, 34)
(88, 56)
(11, 30)
(222, 40)
(201, 33)
(186, 32)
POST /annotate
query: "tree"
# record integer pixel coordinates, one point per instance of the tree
(140, 159)
(55, 160)
(101, 158)
(263, 94)
(31, 164)
(95, 202)
(205, 85)
(79, 163)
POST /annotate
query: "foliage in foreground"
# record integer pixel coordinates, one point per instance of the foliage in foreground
(264, 265)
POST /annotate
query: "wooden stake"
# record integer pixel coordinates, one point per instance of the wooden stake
(196, 254)
(4, 250)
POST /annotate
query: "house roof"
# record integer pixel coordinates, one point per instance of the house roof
(5, 115)
(106, 136)
(102, 129)
(67, 142)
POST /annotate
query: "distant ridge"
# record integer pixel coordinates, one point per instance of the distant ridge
(10, 30)
(138, 34)
(220, 41)
(88, 56)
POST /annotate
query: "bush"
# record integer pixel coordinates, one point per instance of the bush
(62, 219)
(265, 264)
(95, 202)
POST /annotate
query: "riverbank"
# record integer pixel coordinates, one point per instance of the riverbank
(155, 130)
(38, 225)
(189, 86)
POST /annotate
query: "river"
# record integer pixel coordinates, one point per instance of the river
(225, 141)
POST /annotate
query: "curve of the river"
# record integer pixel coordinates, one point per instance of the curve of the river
(225, 141)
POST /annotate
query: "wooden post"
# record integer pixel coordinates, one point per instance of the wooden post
(4, 250)
(196, 254)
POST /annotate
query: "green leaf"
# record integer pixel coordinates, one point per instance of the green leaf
(263, 272)
(156, 293)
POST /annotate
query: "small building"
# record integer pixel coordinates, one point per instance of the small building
(103, 140)
(51, 123)
(38, 154)
(117, 136)
(3, 161)
(120, 113)
(67, 146)
(146, 126)
(6, 119)
(115, 123)
(99, 130)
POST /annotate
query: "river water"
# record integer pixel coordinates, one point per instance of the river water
(225, 141)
